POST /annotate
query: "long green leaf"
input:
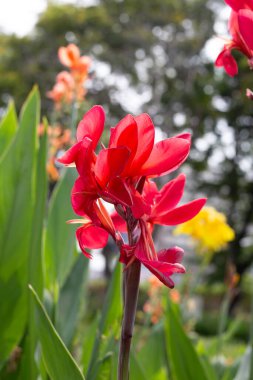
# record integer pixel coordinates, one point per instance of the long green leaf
(104, 370)
(110, 317)
(88, 342)
(35, 276)
(60, 237)
(182, 356)
(17, 189)
(136, 370)
(17, 195)
(59, 363)
(70, 300)
(8, 127)
(244, 369)
(153, 365)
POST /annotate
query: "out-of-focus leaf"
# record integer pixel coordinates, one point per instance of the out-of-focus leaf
(14, 297)
(17, 190)
(153, 364)
(136, 370)
(68, 307)
(59, 363)
(88, 342)
(209, 369)
(109, 322)
(35, 276)
(35, 258)
(182, 356)
(8, 127)
(244, 369)
(104, 368)
(17, 194)
(60, 237)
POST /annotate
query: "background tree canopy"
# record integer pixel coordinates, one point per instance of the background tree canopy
(148, 57)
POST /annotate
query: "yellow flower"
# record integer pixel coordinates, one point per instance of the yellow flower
(209, 230)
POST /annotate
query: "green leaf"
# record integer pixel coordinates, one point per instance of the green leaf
(59, 363)
(110, 317)
(182, 356)
(8, 127)
(14, 305)
(244, 369)
(60, 237)
(35, 258)
(17, 189)
(104, 369)
(136, 370)
(153, 364)
(17, 197)
(71, 294)
(35, 275)
(88, 342)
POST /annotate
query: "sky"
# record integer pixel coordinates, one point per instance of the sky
(20, 16)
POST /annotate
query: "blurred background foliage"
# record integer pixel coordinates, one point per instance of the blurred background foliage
(148, 56)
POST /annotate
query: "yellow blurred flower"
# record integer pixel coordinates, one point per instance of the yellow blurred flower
(209, 229)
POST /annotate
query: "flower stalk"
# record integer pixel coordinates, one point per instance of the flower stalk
(130, 292)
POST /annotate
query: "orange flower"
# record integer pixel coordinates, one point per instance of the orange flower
(175, 296)
(52, 172)
(69, 86)
(70, 57)
(60, 93)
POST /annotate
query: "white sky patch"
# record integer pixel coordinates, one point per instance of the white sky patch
(20, 16)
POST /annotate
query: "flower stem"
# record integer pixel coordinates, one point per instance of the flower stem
(130, 292)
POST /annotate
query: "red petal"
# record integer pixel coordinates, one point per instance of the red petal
(118, 192)
(236, 5)
(245, 19)
(92, 125)
(163, 277)
(186, 136)
(70, 155)
(110, 163)
(91, 237)
(167, 155)
(125, 134)
(180, 214)
(150, 190)
(166, 264)
(140, 206)
(82, 200)
(119, 222)
(146, 137)
(169, 196)
(171, 255)
(226, 60)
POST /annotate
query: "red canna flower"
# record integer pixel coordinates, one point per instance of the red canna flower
(120, 174)
(241, 29)
(163, 211)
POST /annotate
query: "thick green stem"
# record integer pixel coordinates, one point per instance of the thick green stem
(131, 289)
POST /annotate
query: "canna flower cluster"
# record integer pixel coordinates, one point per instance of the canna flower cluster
(70, 85)
(209, 229)
(122, 175)
(59, 139)
(241, 30)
